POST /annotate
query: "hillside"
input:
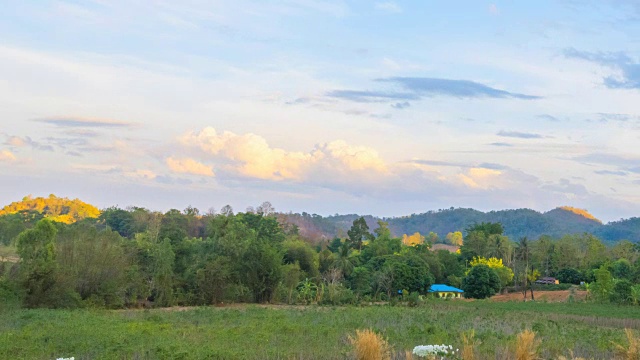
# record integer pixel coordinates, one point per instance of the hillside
(55, 208)
(517, 223)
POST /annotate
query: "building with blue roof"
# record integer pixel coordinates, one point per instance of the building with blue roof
(445, 291)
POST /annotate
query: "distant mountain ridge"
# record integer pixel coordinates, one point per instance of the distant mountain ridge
(517, 223)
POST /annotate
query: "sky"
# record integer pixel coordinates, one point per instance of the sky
(324, 106)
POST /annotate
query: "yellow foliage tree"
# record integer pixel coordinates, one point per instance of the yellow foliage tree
(54, 208)
(504, 273)
(413, 240)
(455, 238)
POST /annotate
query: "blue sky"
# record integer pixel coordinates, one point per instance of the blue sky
(387, 107)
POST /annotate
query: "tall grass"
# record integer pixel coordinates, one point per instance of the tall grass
(469, 346)
(632, 350)
(367, 345)
(527, 346)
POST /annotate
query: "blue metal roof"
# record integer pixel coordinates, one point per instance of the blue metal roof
(444, 288)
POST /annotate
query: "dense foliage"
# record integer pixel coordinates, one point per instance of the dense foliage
(480, 283)
(135, 257)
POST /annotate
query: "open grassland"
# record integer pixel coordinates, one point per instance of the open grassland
(288, 332)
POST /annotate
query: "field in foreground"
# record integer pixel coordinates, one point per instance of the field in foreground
(287, 332)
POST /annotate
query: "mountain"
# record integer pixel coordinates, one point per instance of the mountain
(517, 223)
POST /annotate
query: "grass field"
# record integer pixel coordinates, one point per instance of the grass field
(289, 332)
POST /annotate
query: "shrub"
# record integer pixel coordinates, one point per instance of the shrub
(413, 299)
(621, 292)
(367, 345)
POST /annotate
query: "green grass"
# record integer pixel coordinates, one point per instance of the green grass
(254, 332)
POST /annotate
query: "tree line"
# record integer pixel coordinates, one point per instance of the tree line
(138, 258)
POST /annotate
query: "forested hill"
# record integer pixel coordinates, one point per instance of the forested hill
(54, 208)
(517, 223)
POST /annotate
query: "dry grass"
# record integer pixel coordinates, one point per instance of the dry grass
(368, 345)
(527, 346)
(469, 346)
(572, 357)
(632, 350)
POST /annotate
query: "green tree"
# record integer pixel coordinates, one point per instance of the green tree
(343, 262)
(94, 264)
(602, 288)
(213, 280)
(360, 280)
(38, 264)
(297, 251)
(480, 283)
(481, 240)
(622, 269)
(569, 276)
(358, 233)
(261, 270)
(635, 294)
(622, 292)
(382, 231)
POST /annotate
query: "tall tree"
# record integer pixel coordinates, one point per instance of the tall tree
(38, 263)
(358, 233)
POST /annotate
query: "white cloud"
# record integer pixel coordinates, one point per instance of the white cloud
(389, 6)
(188, 166)
(7, 156)
(250, 155)
(480, 178)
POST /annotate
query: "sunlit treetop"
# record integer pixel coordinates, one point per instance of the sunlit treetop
(582, 212)
(54, 208)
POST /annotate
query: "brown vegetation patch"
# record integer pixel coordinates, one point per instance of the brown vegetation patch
(450, 248)
(549, 296)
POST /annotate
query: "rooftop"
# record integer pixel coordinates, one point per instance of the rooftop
(444, 288)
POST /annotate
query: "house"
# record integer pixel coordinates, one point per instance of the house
(445, 291)
(547, 280)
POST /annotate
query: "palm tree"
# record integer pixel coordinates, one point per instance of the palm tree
(343, 263)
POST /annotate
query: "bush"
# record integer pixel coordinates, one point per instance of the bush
(368, 345)
(337, 295)
(480, 283)
(9, 296)
(621, 292)
(414, 299)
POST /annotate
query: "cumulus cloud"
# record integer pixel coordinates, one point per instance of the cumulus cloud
(480, 178)
(7, 156)
(250, 155)
(189, 166)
